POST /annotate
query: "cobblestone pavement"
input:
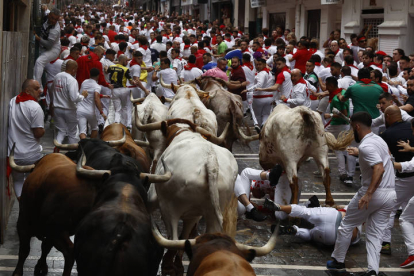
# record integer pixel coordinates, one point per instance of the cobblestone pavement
(290, 257)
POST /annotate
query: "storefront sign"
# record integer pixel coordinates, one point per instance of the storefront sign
(257, 3)
(327, 2)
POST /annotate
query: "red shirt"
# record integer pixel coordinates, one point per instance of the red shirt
(111, 35)
(301, 57)
(85, 64)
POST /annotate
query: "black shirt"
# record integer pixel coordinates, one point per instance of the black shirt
(399, 131)
(410, 101)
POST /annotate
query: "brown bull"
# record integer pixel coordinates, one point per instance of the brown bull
(130, 148)
(54, 200)
(227, 106)
(217, 254)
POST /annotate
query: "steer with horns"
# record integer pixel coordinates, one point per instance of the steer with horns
(201, 185)
(290, 136)
(217, 254)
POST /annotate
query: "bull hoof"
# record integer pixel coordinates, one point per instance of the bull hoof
(168, 271)
(18, 272)
(41, 270)
(330, 202)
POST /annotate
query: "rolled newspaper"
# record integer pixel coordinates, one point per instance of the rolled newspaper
(340, 114)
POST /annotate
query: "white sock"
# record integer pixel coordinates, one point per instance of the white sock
(249, 207)
(267, 175)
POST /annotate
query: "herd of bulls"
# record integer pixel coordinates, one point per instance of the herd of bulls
(107, 197)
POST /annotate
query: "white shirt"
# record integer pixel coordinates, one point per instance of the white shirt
(168, 76)
(159, 47)
(189, 75)
(66, 94)
(285, 84)
(52, 69)
(263, 79)
(135, 71)
(250, 75)
(372, 151)
(88, 104)
(146, 56)
(22, 118)
(324, 74)
(346, 82)
(299, 95)
(72, 41)
(380, 120)
(106, 63)
(178, 64)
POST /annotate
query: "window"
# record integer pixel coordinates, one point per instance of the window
(314, 23)
(374, 22)
(276, 19)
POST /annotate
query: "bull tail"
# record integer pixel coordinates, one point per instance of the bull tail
(230, 217)
(233, 113)
(344, 139)
(212, 167)
(309, 126)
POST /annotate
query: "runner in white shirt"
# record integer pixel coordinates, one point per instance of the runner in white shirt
(86, 109)
(190, 71)
(177, 61)
(107, 62)
(146, 57)
(300, 91)
(168, 76)
(51, 70)
(25, 128)
(64, 99)
(374, 201)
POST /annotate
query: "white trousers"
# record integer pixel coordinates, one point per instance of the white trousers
(262, 108)
(105, 105)
(42, 60)
(404, 189)
(18, 177)
(323, 218)
(375, 217)
(49, 90)
(407, 226)
(314, 105)
(340, 155)
(121, 101)
(84, 118)
(66, 124)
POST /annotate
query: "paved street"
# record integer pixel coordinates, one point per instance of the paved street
(290, 257)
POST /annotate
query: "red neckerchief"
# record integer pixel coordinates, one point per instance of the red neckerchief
(333, 94)
(265, 70)
(69, 57)
(248, 65)
(366, 81)
(54, 61)
(189, 66)
(312, 51)
(371, 63)
(91, 36)
(135, 42)
(85, 44)
(232, 70)
(246, 51)
(145, 47)
(260, 49)
(240, 32)
(342, 210)
(166, 36)
(123, 40)
(133, 62)
(187, 46)
(179, 58)
(120, 53)
(353, 66)
(68, 35)
(267, 47)
(384, 86)
(176, 36)
(195, 42)
(328, 66)
(318, 64)
(23, 97)
(227, 39)
(379, 65)
(336, 52)
(201, 52)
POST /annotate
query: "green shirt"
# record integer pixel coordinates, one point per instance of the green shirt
(340, 106)
(365, 97)
(221, 48)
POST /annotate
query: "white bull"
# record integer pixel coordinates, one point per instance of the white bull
(201, 185)
(290, 136)
(186, 104)
(151, 110)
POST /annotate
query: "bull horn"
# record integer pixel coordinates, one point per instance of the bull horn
(95, 174)
(18, 168)
(139, 100)
(168, 100)
(203, 94)
(264, 250)
(142, 143)
(163, 84)
(119, 142)
(247, 138)
(169, 244)
(63, 146)
(213, 138)
(155, 178)
(147, 127)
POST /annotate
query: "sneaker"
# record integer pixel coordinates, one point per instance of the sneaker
(409, 262)
(343, 177)
(386, 248)
(269, 204)
(335, 265)
(314, 202)
(275, 174)
(257, 128)
(101, 127)
(349, 181)
(255, 215)
(287, 230)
